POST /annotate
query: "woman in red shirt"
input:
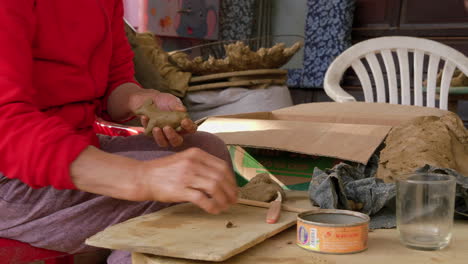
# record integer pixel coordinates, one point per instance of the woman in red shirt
(62, 63)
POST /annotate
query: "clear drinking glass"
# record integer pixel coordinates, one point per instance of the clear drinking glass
(424, 209)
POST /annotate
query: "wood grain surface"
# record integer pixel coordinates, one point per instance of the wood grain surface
(185, 231)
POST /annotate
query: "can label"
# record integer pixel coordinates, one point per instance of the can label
(332, 239)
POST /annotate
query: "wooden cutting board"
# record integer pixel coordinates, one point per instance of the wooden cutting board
(185, 231)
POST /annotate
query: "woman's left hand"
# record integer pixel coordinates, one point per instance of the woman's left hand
(166, 136)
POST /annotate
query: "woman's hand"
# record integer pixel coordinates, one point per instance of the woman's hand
(167, 102)
(189, 176)
(128, 97)
(192, 176)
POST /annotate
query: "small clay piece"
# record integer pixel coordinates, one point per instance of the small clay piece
(289, 242)
(159, 118)
(437, 141)
(261, 188)
(229, 224)
(239, 57)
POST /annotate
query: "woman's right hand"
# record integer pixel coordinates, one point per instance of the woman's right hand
(192, 176)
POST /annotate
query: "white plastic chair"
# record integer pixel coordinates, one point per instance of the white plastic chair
(402, 46)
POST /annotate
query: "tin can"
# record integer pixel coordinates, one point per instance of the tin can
(333, 231)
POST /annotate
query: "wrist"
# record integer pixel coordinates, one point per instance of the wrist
(130, 188)
(139, 190)
(119, 103)
(99, 172)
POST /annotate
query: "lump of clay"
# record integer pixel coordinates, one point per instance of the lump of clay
(261, 188)
(145, 72)
(459, 79)
(152, 67)
(438, 141)
(159, 118)
(239, 57)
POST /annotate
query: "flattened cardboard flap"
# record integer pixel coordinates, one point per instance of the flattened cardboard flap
(348, 131)
(355, 113)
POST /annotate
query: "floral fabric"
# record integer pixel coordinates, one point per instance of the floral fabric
(328, 34)
(236, 19)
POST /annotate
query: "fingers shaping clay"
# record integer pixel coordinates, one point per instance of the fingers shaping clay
(159, 118)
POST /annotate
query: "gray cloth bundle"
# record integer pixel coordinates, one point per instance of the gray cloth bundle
(356, 188)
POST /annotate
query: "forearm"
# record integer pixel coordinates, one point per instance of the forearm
(98, 172)
(195, 176)
(120, 104)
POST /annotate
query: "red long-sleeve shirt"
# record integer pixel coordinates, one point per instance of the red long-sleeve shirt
(59, 61)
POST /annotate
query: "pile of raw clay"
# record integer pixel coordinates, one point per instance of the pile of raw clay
(152, 67)
(239, 57)
(438, 141)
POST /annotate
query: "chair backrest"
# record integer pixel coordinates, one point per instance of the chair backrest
(384, 47)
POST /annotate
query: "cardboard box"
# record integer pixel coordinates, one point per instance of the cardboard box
(333, 131)
(292, 170)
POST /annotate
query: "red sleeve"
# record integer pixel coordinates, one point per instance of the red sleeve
(34, 148)
(121, 67)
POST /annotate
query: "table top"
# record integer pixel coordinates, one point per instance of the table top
(384, 247)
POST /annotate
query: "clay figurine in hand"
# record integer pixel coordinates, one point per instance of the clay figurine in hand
(159, 118)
